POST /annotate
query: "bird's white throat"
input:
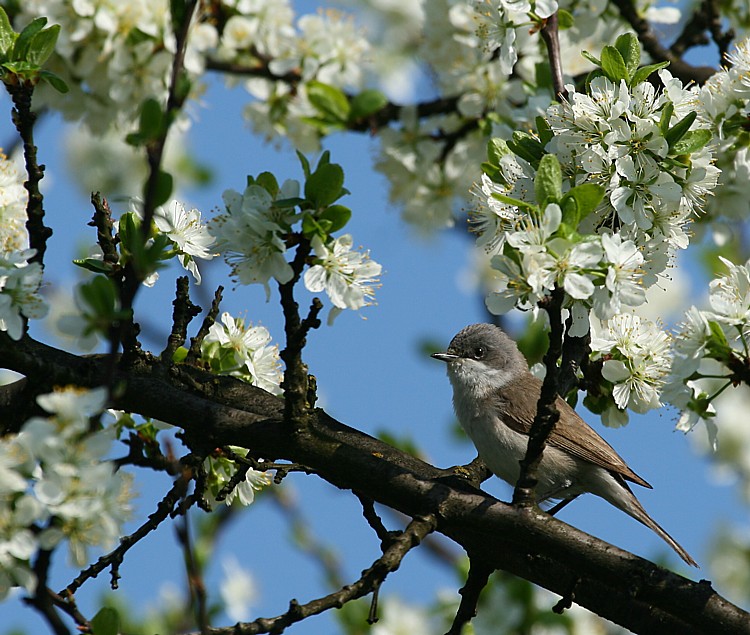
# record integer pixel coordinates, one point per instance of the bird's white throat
(475, 377)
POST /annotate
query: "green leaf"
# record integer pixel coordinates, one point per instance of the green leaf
(680, 129)
(591, 58)
(666, 117)
(543, 130)
(100, 294)
(57, 82)
(311, 227)
(367, 103)
(548, 180)
(7, 35)
(587, 197)
(106, 622)
(496, 150)
(337, 215)
(643, 73)
(285, 203)
(269, 183)
(43, 45)
(613, 65)
(325, 158)
(152, 120)
(527, 147)
(328, 100)
(94, 264)
(23, 42)
(693, 141)
(180, 355)
(627, 46)
(324, 186)
(564, 19)
(509, 200)
(305, 164)
(571, 216)
(164, 185)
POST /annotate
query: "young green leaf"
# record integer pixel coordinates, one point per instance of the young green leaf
(106, 622)
(93, 264)
(587, 197)
(565, 19)
(337, 215)
(311, 227)
(679, 130)
(643, 73)
(324, 186)
(269, 183)
(628, 47)
(666, 117)
(367, 103)
(613, 65)
(496, 150)
(24, 39)
(43, 45)
(548, 180)
(55, 81)
(594, 60)
(329, 101)
(151, 124)
(305, 164)
(164, 185)
(527, 147)
(7, 35)
(693, 141)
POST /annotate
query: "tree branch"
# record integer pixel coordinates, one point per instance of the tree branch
(369, 582)
(217, 411)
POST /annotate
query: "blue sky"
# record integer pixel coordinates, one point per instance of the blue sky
(371, 374)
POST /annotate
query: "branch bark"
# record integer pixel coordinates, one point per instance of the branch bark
(216, 411)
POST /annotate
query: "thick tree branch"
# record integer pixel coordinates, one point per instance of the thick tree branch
(524, 541)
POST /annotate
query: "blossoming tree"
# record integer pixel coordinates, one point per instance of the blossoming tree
(591, 141)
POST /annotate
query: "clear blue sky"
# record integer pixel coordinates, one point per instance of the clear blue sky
(372, 376)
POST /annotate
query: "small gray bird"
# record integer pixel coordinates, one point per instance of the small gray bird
(495, 398)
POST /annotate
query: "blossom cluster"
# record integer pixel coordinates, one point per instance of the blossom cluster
(253, 233)
(113, 55)
(57, 486)
(20, 280)
(221, 470)
(231, 348)
(710, 344)
(596, 203)
(723, 107)
(637, 360)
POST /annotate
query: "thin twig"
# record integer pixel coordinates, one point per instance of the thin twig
(195, 342)
(551, 39)
(194, 575)
(371, 579)
(184, 311)
(476, 580)
(547, 414)
(24, 119)
(163, 510)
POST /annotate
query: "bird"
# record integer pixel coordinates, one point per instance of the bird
(495, 400)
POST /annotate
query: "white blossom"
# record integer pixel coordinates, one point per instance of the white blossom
(348, 277)
(192, 239)
(243, 351)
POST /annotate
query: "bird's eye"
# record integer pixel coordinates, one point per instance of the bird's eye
(479, 352)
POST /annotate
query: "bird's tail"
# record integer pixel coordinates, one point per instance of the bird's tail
(632, 506)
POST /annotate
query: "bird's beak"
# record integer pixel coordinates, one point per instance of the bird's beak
(445, 357)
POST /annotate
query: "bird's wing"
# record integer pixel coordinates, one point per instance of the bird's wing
(571, 433)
